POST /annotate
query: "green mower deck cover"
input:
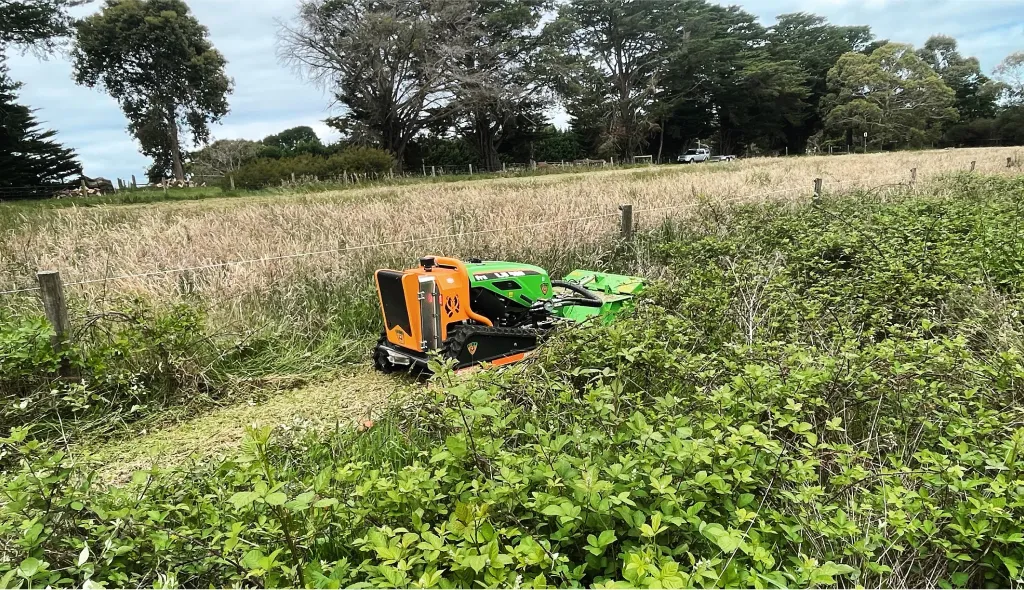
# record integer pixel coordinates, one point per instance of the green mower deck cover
(617, 291)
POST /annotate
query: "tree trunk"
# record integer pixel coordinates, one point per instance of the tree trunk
(661, 139)
(179, 171)
(486, 143)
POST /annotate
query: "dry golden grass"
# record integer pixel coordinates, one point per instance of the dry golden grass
(110, 241)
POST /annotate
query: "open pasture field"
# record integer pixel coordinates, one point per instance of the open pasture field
(579, 210)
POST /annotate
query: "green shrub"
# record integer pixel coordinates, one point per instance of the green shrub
(122, 366)
(268, 172)
(636, 460)
(364, 160)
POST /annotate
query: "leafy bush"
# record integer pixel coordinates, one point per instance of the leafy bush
(122, 366)
(266, 172)
(364, 160)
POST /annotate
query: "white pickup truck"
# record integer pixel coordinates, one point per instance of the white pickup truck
(694, 156)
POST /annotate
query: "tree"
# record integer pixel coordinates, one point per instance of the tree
(289, 139)
(156, 60)
(815, 46)
(34, 24)
(224, 156)
(976, 95)
(614, 59)
(387, 62)
(892, 94)
(500, 92)
(28, 154)
(722, 83)
(1011, 73)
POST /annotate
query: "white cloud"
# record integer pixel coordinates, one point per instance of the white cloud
(270, 97)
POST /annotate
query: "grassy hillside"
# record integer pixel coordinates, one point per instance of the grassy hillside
(812, 395)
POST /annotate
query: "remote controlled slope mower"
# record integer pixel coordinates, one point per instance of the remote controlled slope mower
(476, 311)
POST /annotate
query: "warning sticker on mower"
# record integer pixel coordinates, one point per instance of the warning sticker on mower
(510, 274)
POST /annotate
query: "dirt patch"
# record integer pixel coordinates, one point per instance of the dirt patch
(219, 433)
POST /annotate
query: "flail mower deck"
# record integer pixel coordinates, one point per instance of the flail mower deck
(485, 312)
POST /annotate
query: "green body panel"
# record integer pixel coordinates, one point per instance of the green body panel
(533, 281)
(534, 284)
(617, 291)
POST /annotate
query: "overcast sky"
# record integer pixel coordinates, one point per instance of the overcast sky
(269, 97)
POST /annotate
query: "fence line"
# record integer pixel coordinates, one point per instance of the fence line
(412, 240)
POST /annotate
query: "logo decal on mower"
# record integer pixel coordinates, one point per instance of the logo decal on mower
(472, 348)
(544, 288)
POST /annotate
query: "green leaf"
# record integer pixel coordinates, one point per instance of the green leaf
(29, 567)
(242, 498)
(300, 503)
(324, 503)
(477, 562)
(553, 510)
(83, 556)
(457, 446)
(607, 538)
(276, 498)
(1012, 566)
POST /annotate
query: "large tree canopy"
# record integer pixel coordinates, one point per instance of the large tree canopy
(614, 60)
(891, 94)
(814, 45)
(156, 60)
(28, 154)
(1010, 72)
(500, 91)
(976, 95)
(388, 62)
(35, 24)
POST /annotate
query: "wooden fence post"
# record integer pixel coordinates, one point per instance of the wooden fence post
(913, 176)
(433, 171)
(51, 287)
(424, 169)
(817, 190)
(503, 166)
(973, 162)
(1009, 164)
(471, 170)
(134, 184)
(626, 224)
(231, 181)
(165, 187)
(293, 178)
(391, 173)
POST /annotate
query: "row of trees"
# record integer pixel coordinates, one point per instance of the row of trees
(635, 76)
(470, 81)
